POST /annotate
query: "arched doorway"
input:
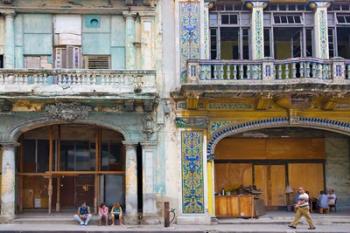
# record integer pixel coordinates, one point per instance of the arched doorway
(279, 160)
(59, 166)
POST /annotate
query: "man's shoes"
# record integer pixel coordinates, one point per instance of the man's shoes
(81, 223)
(85, 223)
(312, 228)
(291, 226)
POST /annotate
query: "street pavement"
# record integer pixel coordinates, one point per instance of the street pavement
(215, 228)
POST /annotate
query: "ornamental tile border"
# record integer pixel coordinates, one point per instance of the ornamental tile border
(232, 129)
(192, 172)
(189, 16)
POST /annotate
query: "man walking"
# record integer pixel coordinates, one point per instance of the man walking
(302, 209)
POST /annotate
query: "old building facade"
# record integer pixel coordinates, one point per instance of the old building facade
(262, 100)
(80, 93)
(142, 101)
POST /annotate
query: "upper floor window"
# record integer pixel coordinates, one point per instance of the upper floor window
(68, 57)
(339, 7)
(287, 19)
(37, 62)
(288, 7)
(228, 19)
(343, 19)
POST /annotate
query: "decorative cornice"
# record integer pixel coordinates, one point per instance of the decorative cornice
(68, 111)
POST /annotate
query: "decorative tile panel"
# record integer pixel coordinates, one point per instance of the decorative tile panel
(192, 172)
(189, 15)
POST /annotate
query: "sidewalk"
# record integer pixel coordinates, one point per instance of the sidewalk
(227, 228)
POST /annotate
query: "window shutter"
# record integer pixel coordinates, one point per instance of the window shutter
(60, 58)
(96, 62)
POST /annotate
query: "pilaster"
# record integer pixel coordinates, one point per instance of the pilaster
(150, 215)
(257, 28)
(147, 40)
(131, 183)
(321, 28)
(9, 53)
(130, 36)
(8, 181)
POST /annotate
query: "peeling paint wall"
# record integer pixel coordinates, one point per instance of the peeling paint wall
(338, 169)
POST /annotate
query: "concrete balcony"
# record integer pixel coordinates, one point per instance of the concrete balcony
(291, 75)
(59, 83)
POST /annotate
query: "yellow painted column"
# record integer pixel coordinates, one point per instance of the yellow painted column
(210, 172)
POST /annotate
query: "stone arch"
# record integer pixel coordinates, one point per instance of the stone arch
(25, 126)
(341, 127)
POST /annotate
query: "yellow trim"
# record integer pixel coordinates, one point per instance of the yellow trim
(210, 173)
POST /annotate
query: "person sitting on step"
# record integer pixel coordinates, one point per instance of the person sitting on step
(83, 215)
(117, 213)
(103, 213)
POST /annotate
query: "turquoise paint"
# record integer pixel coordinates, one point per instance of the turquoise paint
(130, 50)
(19, 57)
(38, 44)
(118, 58)
(118, 31)
(9, 42)
(37, 23)
(92, 21)
(104, 24)
(96, 43)
(19, 30)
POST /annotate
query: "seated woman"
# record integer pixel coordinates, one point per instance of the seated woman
(323, 202)
(117, 213)
(103, 213)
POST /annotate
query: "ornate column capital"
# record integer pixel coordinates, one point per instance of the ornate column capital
(129, 143)
(256, 3)
(8, 12)
(128, 14)
(9, 144)
(314, 4)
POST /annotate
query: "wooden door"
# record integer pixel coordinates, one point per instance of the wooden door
(271, 180)
(85, 189)
(278, 185)
(68, 192)
(307, 175)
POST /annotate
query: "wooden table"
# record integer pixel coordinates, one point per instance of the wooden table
(245, 206)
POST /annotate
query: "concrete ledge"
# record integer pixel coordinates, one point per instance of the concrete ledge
(193, 220)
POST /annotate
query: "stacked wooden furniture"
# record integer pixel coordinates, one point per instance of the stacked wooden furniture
(245, 206)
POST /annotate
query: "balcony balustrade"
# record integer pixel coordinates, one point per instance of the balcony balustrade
(267, 71)
(58, 82)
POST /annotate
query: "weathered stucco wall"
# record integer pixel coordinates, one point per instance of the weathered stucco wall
(338, 169)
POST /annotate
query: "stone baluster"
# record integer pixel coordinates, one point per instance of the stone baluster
(279, 75)
(249, 72)
(234, 71)
(319, 71)
(302, 70)
(228, 71)
(313, 70)
(294, 70)
(286, 71)
(241, 72)
(307, 72)
(221, 71)
(215, 72)
(348, 71)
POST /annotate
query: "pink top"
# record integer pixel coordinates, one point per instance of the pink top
(103, 211)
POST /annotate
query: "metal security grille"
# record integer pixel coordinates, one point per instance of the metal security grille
(97, 62)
